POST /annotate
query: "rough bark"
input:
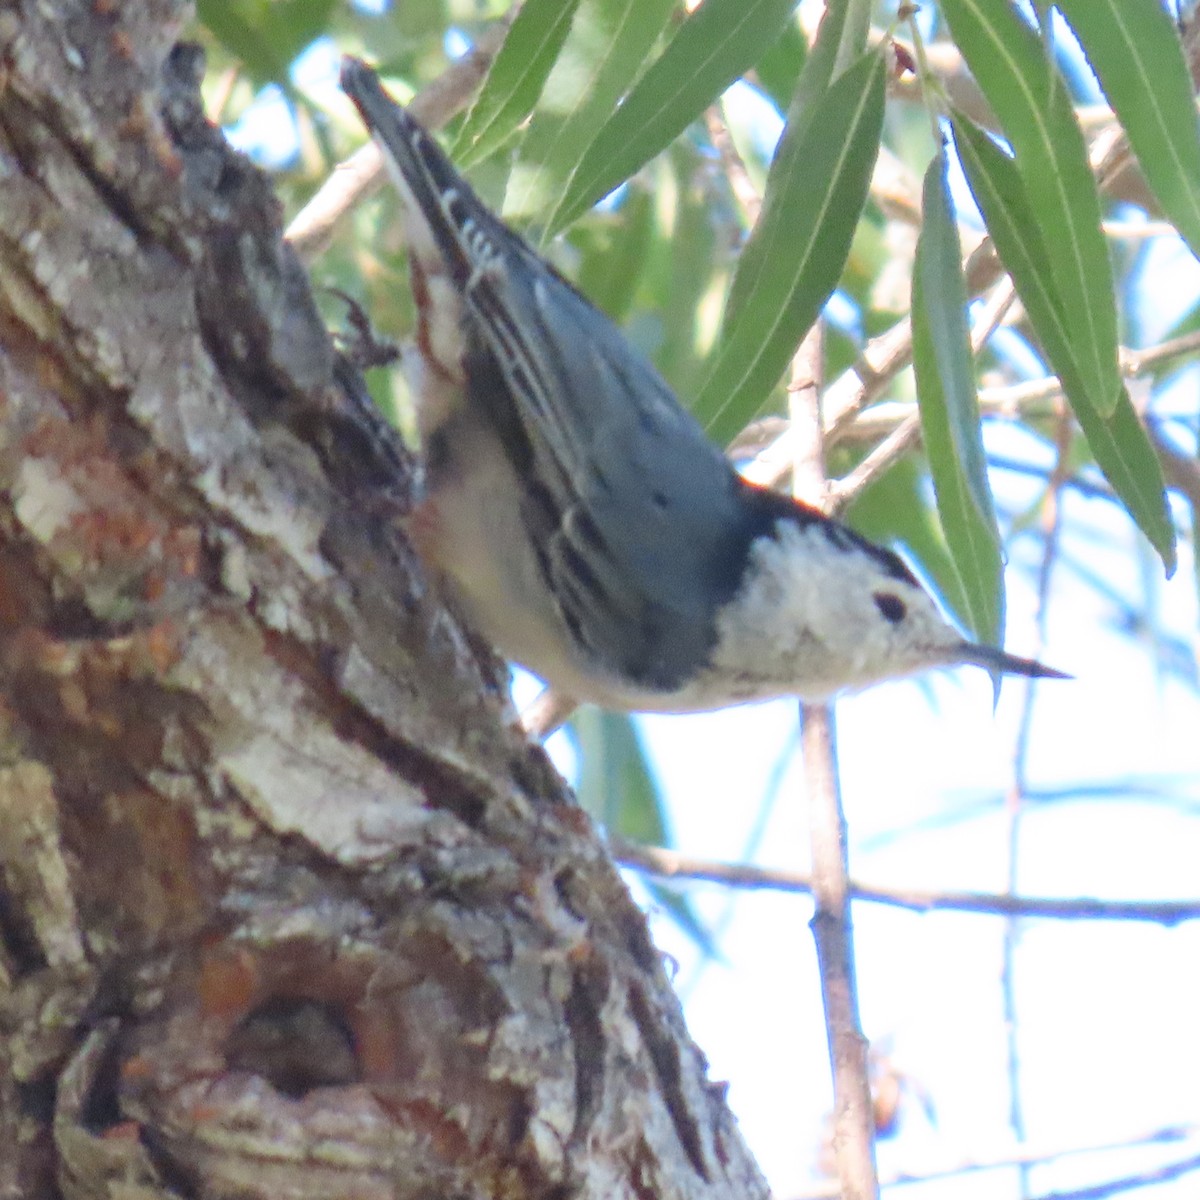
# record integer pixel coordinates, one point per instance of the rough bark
(288, 907)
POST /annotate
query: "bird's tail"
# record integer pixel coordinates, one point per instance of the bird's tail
(446, 216)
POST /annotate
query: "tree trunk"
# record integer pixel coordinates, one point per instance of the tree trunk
(288, 905)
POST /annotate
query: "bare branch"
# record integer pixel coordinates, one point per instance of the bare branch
(671, 865)
(1030, 397)
(744, 191)
(853, 1119)
(1014, 800)
(546, 713)
(897, 443)
(1031, 1154)
(1182, 470)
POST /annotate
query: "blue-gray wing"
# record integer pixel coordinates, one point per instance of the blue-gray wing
(641, 525)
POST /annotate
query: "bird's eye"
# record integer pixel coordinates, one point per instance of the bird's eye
(891, 606)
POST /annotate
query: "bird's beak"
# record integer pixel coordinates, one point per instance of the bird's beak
(1000, 662)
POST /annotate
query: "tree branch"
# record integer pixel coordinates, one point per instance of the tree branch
(853, 1135)
(670, 865)
(1034, 1154)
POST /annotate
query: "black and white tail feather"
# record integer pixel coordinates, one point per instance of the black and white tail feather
(579, 514)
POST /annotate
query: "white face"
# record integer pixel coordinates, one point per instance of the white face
(814, 617)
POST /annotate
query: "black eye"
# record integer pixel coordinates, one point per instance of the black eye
(891, 606)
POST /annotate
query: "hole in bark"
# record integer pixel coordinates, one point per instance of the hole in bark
(296, 1046)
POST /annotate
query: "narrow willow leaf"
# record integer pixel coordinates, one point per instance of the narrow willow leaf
(1119, 443)
(1134, 48)
(845, 23)
(799, 249)
(780, 67)
(839, 46)
(691, 259)
(716, 44)
(617, 787)
(1031, 99)
(603, 55)
(266, 37)
(613, 255)
(1124, 453)
(945, 377)
(518, 74)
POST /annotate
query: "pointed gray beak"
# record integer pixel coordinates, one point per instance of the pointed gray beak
(1001, 663)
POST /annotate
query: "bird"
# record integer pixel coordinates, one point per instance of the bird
(578, 516)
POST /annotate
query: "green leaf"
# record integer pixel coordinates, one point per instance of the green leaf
(716, 44)
(604, 53)
(944, 371)
(691, 258)
(613, 255)
(815, 194)
(781, 64)
(1124, 453)
(617, 788)
(1119, 443)
(517, 76)
(266, 35)
(841, 39)
(841, 25)
(615, 784)
(1014, 71)
(1134, 48)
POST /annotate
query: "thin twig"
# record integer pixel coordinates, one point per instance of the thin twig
(670, 865)
(547, 712)
(740, 183)
(882, 359)
(853, 1123)
(853, 1135)
(1014, 805)
(221, 93)
(893, 447)
(842, 491)
(1028, 1154)
(1137, 231)
(1008, 399)
(1138, 362)
(888, 354)
(1182, 470)
(1127, 1183)
(1090, 488)
(804, 409)
(991, 312)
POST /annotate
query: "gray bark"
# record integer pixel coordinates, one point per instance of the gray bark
(288, 906)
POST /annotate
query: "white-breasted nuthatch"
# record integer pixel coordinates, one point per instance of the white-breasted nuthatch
(580, 517)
